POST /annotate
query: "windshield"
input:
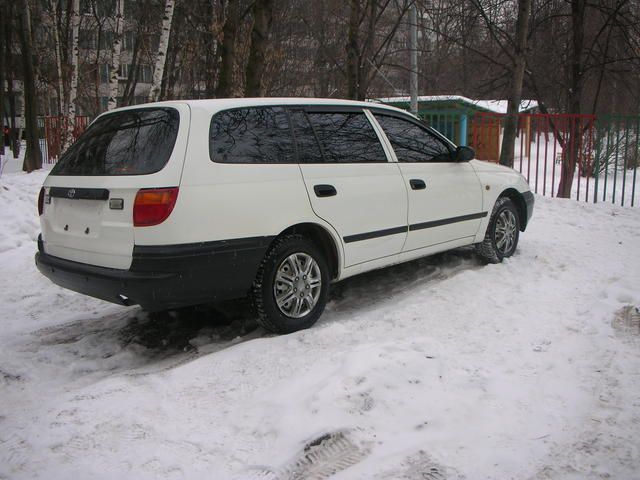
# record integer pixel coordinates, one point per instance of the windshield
(129, 142)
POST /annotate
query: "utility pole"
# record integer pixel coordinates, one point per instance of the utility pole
(413, 45)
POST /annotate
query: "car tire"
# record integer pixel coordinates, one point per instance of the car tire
(291, 286)
(501, 239)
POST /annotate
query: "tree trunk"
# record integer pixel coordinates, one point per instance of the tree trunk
(33, 156)
(58, 56)
(170, 78)
(262, 19)
(353, 66)
(228, 51)
(96, 65)
(210, 45)
(573, 142)
(366, 68)
(114, 66)
(73, 87)
(161, 58)
(2, 80)
(517, 78)
(132, 79)
(55, 14)
(14, 142)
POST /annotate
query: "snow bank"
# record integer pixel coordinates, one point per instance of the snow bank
(440, 368)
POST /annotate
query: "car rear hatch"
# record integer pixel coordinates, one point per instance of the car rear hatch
(89, 195)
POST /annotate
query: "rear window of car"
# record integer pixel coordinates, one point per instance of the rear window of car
(129, 142)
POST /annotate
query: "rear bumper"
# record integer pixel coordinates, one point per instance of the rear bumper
(163, 277)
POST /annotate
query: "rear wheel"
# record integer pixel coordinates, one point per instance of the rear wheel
(501, 239)
(290, 290)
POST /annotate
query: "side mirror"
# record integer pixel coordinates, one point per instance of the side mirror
(464, 154)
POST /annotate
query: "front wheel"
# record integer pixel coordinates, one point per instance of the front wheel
(291, 287)
(503, 232)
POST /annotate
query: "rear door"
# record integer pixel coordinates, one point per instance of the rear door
(350, 182)
(89, 195)
(445, 196)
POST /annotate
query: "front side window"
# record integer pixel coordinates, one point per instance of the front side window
(129, 142)
(251, 135)
(347, 137)
(413, 143)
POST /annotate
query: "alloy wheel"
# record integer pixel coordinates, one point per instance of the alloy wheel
(297, 285)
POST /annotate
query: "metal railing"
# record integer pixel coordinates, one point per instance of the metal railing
(586, 157)
(53, 132)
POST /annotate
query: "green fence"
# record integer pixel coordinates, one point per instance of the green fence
(616, 159)
(608, 150)
(451, 124)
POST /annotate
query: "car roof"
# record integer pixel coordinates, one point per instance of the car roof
(217, 104)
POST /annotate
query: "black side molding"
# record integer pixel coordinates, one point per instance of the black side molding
(446, 221)
(416, 226)
(375, 234)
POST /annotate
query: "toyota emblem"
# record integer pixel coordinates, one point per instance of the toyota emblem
(71, 193)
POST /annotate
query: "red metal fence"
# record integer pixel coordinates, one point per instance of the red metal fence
(54, 130)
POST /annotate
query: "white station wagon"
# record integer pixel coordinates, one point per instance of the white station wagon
(179, 203)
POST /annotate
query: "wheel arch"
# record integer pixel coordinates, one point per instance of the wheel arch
(322, 238)
(518, 200)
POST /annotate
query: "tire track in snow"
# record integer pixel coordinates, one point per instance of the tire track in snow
(320, 459)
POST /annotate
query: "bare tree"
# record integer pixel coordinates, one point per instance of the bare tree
(73, 88)
(372, 28)
(114, 66)
(2, 81)
(576, 76)
(33, 156)
(158, 71)
(14, 141)
(262, 12)
(55, 13)
(352, 47)
(517, 79)
(230, 33)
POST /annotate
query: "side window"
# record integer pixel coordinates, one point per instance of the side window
(413, 143)
(347, 138)
(308, 148)
(251, 135)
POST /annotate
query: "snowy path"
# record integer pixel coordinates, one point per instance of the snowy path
(437, 369)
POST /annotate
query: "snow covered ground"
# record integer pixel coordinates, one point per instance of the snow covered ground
(437, 369)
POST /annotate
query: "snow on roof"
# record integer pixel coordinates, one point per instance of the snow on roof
(496, 106)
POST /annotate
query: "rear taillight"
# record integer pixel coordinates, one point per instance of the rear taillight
(41, 201)
(153, 206)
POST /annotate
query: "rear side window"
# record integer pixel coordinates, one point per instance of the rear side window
(347, 138)
(251, 135)
(308, 147)
(413, 143)
(129, 142)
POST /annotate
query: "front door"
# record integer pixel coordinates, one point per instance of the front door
(445, 196)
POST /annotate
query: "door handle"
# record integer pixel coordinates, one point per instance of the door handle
(325, 190)
(417, 184)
